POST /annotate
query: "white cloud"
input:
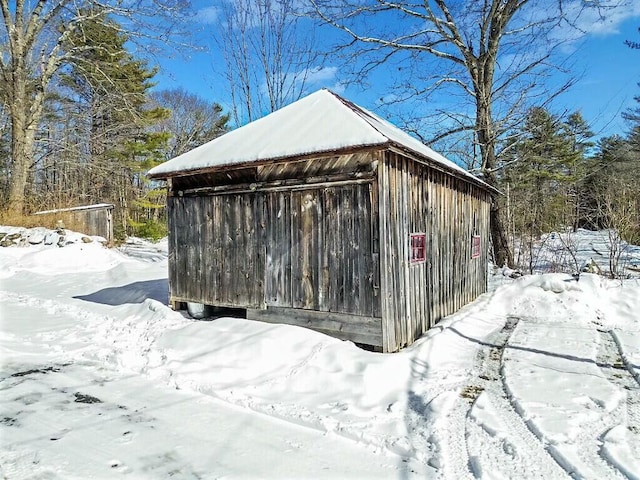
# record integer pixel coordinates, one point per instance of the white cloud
(319, 74)
(208, 15)
(388, 99)
(591, 17)
(309, 80)
(323, 77)
(580, 19)
(604, 20)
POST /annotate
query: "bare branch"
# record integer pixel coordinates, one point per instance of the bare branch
(269, 53)
(496, 52)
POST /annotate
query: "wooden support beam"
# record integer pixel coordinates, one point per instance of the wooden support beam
(358, 329)
(279, 185)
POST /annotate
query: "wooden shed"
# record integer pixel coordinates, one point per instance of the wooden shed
(324, 215)
(96, 219)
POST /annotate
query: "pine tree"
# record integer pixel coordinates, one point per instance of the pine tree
(578, 132)
(112, 89)
(542, 168)
(632, 116)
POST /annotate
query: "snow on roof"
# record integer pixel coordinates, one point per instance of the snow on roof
(320, 122)
(95, 206)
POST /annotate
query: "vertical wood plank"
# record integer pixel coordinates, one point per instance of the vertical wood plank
(375, 248)
(387, 267)
(278, 249)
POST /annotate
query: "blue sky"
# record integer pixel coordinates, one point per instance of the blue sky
(607, 71)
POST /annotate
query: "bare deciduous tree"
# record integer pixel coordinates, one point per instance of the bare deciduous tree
(34, 47)
(617, 206)
(269, 55)
(193, 120)
(492, 57)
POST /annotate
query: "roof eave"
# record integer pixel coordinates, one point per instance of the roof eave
(267, 161)
(389, 145)
(443, 168)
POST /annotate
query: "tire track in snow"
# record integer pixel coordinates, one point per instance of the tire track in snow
(499, 439)
(441, 441)
(452, 444)
(435, 420)
(612, 363)
(589, 459)
(623, 357)
(582, 457)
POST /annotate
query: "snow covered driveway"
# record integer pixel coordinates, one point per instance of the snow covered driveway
(81, 421)
(557, 368)
(537, 379)
(68, 411)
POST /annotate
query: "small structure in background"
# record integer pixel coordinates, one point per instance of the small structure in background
(94, 219)
(324, 215)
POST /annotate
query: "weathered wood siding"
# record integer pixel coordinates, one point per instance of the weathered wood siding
(90, 221)
(320, 250)
(415, 198)
(97, 222)
(216, 250)
(283, 248)
(325, 243)
(314, 170)
(357, 328)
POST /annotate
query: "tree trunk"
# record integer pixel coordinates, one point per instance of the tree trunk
(501, 251)
(486, 139)
(26, 103)
(19, 172)
(22, 145)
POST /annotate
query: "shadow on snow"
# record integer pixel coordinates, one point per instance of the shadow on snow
(136, 292)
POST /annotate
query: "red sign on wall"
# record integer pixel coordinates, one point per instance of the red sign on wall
(418, 247)
(476, 246)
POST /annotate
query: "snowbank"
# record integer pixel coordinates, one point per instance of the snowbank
(536, 379)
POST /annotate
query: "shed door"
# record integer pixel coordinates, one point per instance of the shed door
(215, 250)
(320, 250)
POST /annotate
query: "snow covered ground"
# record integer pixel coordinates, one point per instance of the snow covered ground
(602, 251)
(539, 378)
